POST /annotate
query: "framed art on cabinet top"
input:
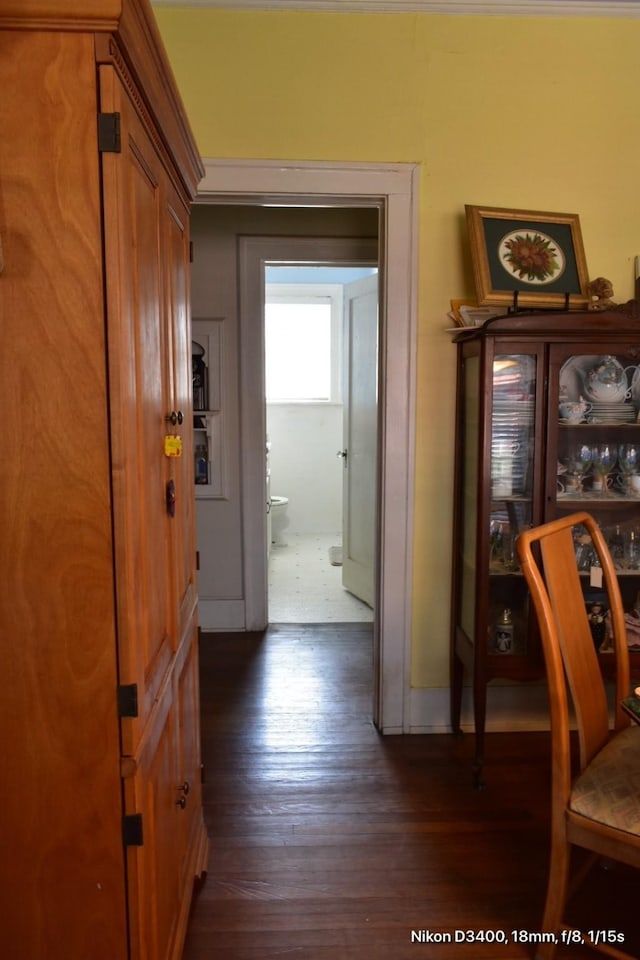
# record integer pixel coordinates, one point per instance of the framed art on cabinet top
(526, 258)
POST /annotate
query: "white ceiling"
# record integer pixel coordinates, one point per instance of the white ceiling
(529, 8)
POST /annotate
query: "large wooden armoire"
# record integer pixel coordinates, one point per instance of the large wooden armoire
(101, 825)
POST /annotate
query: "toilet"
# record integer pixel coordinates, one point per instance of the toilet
(279, 520)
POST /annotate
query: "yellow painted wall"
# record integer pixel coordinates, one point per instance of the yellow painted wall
(533, 113)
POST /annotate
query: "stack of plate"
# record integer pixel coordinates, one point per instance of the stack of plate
(612, 413)
(516, 412)
(510, 444)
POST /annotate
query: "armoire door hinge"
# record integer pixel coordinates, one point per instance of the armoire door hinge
(128, 700)
(132, 830)
(109, 133)
(197, 559)
(190, 251)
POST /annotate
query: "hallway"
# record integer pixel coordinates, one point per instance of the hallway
(329, 841)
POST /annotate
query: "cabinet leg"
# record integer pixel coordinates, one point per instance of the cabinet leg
(480, 715)
(457, 677)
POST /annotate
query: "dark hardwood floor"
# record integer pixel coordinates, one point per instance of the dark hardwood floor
(330, 841)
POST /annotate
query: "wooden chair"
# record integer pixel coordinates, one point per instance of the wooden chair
(596, 804)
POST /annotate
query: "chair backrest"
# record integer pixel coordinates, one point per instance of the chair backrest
(569, 651)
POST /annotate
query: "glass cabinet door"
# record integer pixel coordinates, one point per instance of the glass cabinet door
(470, 426)
(512, 423)
(597, 468)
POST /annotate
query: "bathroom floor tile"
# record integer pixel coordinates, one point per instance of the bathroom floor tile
(305, 587)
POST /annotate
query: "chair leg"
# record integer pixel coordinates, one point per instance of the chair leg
(556, 897)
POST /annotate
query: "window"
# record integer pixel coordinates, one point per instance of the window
(302, 343)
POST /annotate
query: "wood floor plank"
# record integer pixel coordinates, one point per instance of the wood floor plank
(330, 841)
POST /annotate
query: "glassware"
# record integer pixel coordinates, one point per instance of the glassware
(580, 458)
(583, 548)
(502, 544)
(604, 456)
(509, 552)
(632, 550)
(495, 541)
(615, 541)
(629, 462)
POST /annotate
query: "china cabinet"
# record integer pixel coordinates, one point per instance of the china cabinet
(102, 825)
(547, 422)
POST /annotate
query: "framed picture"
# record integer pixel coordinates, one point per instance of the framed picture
(539, 256)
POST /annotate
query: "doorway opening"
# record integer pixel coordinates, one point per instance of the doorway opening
(321, 354)
(257, 255)
(393, 190)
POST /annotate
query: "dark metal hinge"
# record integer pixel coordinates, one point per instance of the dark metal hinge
(109, 133)
(132, 830)
(190, 251)
(197, 559)
(128, 700)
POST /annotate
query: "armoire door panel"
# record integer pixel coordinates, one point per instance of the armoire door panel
(187, 706)
(152, 867)
(190, 837)
(140, 401)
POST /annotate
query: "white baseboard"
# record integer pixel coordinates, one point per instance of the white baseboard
(509, 708)
(221, 614)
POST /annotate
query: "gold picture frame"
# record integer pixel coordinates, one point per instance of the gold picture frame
(524, 258)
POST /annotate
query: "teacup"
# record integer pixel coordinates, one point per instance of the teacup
(634, 484)
(571, 483)
(568, 484)
(574, 411)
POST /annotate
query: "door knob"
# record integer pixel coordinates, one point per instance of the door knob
(342, 454)
(175, 417)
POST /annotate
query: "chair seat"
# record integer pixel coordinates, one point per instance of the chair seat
(608, 791)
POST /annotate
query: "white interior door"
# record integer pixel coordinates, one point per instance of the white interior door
(360, 438)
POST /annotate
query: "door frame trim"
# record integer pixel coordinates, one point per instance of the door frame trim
(393, 188)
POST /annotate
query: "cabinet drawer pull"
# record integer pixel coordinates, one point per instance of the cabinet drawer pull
(181, 802)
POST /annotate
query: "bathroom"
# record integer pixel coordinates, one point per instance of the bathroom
(304, 308)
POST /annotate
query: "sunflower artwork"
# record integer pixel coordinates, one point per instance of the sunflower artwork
(532, 256)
